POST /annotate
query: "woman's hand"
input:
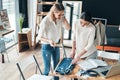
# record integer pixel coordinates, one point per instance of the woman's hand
(63, 17)
(75, 60)
(67, 25)
(52, 43)
(72, 54)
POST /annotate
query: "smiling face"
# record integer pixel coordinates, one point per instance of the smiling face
(59, 14)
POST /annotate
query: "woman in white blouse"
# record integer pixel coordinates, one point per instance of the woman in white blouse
(50, 34)
(83, 42)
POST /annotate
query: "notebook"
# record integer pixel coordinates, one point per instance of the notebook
(93, 63)
(108, 71)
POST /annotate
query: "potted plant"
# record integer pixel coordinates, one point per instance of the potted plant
(21, 19)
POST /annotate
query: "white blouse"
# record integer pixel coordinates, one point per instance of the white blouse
(84, 37)
(50, 30)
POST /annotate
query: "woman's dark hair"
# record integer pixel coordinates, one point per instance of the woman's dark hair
(86, 16)
(59, 6)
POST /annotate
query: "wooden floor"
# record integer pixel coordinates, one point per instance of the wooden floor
(9, 71)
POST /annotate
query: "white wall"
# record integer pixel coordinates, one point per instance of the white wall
(32, 15)
(17, 28)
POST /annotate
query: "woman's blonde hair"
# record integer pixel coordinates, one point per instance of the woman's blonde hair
(56, 8)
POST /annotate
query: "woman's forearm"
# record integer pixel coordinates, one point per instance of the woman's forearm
(82, 53)
(73, 46)
(45, 40)
(67, 25)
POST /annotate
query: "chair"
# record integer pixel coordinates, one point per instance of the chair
(10, 41)
(25, 63)
(3, 50)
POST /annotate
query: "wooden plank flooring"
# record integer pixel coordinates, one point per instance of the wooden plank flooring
(9, 71)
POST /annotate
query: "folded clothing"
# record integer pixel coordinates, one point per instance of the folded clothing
(65, 66)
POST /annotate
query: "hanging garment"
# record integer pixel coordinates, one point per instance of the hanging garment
(101, 38)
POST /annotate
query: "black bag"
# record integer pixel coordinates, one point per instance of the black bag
(65, 66)
(89, 72)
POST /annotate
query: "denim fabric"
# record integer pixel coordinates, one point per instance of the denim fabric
(47, 53)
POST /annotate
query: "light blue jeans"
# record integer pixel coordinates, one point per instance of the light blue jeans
(47, 53)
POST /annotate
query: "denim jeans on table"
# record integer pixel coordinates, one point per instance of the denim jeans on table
(47, 53)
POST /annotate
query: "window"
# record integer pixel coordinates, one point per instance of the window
(76, 6)
(32, 15)
(11, 6)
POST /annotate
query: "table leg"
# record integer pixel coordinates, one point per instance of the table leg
(3, 61)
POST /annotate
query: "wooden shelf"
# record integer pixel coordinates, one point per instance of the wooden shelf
(24, 40)
(42, 13)
(110, 48)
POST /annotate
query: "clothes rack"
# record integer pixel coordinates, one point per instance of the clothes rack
(101, 19)
(104, 21)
